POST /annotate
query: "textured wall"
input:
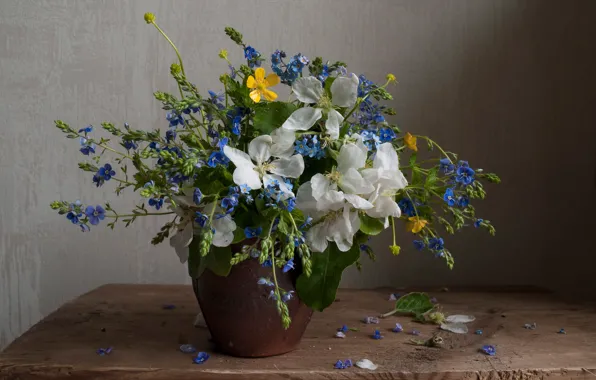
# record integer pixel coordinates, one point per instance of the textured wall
(504, 83)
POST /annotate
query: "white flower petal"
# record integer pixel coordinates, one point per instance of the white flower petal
(366, 364)
(331, 200)
(320, 185)
(334, 120)
(282, 142)
(305, 202)
(302, 119)
(259, 149)
(344, 228)
(384, 207)
(344, 91)
(386, 158)
(247, 176)
(224, 231)
(350, 156)
(316, 237)
(458, 328)
(239, 158)
(352, 183)
(371, 175)
(181, 240)
(288, 167)
(358, 202)
(460, 318)
(308, 89)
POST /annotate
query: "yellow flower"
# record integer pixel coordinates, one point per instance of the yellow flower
(410, 141)
(223, 54)
(149, 18)
(416, 224)
(391, 78)
(258, 84)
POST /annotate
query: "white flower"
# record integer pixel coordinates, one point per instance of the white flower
(387, 180)
(254, 174)
(339, 227)
(352, 156)
(224, 226)
(309, 90)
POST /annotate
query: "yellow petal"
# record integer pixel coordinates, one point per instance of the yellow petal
(251, 82)
(271, 80)
(255, 95)
(260, 74)
(416, 224)
(269, 95)
(410, 141)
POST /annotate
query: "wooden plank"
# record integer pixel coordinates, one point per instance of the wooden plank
(146, 338)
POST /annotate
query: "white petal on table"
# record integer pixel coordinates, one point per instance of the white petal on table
(460, 318)
(458, 328)
(366, 364)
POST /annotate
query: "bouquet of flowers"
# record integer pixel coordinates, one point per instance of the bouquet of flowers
(299, 184)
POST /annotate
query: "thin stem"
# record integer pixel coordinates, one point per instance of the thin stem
(129, 215)
(437, 145)
(174, 46)
(393, 228)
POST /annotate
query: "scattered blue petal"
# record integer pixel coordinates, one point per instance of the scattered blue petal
(489, 350)
(398, 328)
(201, 358)
(377, 335)
(104, 351)
(478, 332)
(415, 332)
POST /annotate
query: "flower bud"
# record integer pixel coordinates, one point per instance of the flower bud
(149, 18)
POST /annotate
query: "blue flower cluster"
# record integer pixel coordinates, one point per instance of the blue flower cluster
(462, 174)
(272, 194)
(310, 146)
(87, 147)
(407, 207)
(289, 72)
(236, 115)
(452, 200)
(253, 57)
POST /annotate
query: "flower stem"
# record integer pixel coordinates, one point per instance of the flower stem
(174, 46)
(437, 145)
(130, 215)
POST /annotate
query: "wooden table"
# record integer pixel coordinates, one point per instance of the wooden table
(145, 338)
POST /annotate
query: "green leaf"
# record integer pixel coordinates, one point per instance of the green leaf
(318, 291)
(271, 116)
(412, 161)
(432, 178)
(238, 235)
(217, 260)
(414, 303)
(328, 82)
(283, 227)
(370, 226)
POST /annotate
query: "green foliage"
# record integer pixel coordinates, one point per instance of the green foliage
(318, 291)
(234, 35)
(218, 260)
(271, 116)
(370, 226)
(415, 304)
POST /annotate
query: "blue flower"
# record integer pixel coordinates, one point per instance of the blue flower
(130, 144)
(252, 56)
(287, 296)
(446, 166)
(397, 328)
(344, 329)
(201, 358)
(236, 125)
(386, 134)
(156, 202)
(301, 147)
(267, 264)
(86, 130)
(201, 219)
(464, 173)
(73, 217)
(307, 222)
(265, 281)
(272, 295)
(216, 99)
(245, 189)
(339, 365)
(290, 204)
(288, 266)
(371, 140)
(174, 119)
(106, 172)
(95, 214)
(104, 351)
(197, 196)
(489, 350)
(463, 201)
(291, 71)
(250, 232)
(229, 203)
(478, 222)
(154, 146)
(419, 244)
(377, 335)
(222, 142)
(86, 146)
(217, 158)
(449, 197)
(436, 244)
(406, 207)
(84, 227)
(348, 363)
(232, 71)
(170, 135)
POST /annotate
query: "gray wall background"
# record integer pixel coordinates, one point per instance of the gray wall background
(507, 84)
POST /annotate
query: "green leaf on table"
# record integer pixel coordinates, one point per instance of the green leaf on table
(415, 304)
(370, 226)
(318, 291)
(271, 116)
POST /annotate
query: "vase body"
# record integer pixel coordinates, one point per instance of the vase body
(241, 317)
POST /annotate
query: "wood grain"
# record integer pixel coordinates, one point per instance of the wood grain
(145, 338)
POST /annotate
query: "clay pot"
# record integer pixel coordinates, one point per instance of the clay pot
(242, 320)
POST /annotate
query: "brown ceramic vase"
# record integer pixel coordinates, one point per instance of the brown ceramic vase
(243, 321)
